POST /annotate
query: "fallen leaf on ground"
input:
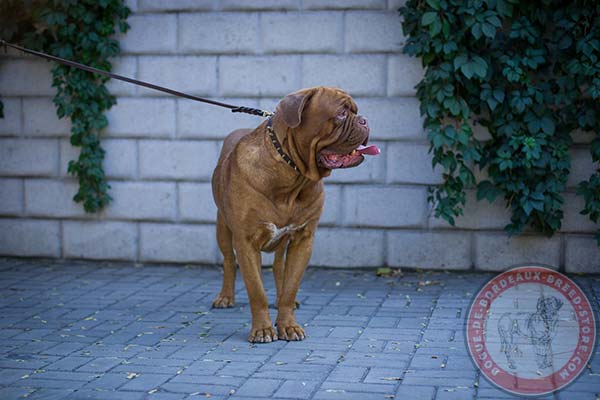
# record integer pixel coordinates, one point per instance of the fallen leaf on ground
(428, 283)
(389, 272)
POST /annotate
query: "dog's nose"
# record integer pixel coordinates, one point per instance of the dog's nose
(363, 121)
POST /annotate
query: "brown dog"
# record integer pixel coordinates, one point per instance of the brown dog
(269, 194)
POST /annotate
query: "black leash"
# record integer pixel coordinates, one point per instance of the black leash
(235, 109)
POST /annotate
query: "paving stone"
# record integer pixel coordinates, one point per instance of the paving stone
(415, 392)
(146, 382)
(69, 363)
(258, 387)
(347, 374)
(296, 389)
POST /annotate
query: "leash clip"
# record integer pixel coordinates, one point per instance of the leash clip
(253, 111)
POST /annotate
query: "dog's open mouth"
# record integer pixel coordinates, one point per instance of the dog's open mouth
(352, 159)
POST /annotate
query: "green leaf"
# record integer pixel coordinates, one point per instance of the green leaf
(467, 69)
(428, 18)
(488, 30)
(547, 125)
(487, 190)
(435, 4)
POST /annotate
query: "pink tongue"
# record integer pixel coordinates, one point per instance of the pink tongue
(371, 150)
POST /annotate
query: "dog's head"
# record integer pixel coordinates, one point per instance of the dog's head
(322, 131)
(549, 306)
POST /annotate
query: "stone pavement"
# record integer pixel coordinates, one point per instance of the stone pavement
(78, 330)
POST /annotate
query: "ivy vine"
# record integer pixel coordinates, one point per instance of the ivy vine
(80, 30)
(529, 72)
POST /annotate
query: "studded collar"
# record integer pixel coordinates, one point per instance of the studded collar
(277, 146)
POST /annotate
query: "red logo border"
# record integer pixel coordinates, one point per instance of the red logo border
(476, 320)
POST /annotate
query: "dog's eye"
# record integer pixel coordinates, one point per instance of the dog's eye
(342, 114)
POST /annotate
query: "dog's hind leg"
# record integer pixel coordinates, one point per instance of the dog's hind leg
(226, 298)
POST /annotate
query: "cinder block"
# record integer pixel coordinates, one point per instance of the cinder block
(218, 33)
(404, 73)
(260, 4)
(25, 77)
(477, 215)
(344, 5)
(40, 118)
(371, 170)
(302, 32)
(188, 74)
(480, 132)
(28, 157)
(178, 160)
(11, 196)
(196, 120)
(498, 251)
(582, 166)
(125, 66)
(259, 76)
(11, 125)
(393, 118)
(29, 238)
(334, 247)
(150, 33)
(178, 243)
(435, 250)
(268, 104)
(196, 202)
(369, 32)
(573, 220)
(357, 75)
(582, 255)
(132, 4)
(333, 200)
(396, 4)
(384, 206)
(137, 200)
(120, 160)
(68, 153)
(142, 118)
(100, 240)
(582, 137)
(52, 198)
(411, 163)
(175, 5)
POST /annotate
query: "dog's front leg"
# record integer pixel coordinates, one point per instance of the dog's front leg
(249, 260)
(298, 255)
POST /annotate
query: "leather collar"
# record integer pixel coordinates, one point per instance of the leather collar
(277, 145)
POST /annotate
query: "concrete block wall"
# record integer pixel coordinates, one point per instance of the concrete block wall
(161, 150)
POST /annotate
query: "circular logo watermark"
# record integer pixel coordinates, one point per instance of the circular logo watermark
(531, 330)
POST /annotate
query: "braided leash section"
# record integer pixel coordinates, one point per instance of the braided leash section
(252, 111)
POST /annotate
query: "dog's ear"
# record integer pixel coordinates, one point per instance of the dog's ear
(291, 106)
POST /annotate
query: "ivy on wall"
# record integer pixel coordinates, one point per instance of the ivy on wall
(529, 72)
(80, 30)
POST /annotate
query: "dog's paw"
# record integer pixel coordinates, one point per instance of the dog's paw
(222, 301)
(262, 335)
(290, 332)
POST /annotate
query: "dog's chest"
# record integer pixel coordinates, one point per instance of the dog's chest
(276, 234)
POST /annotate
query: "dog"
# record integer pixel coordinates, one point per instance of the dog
(538, 327)
(268, 188)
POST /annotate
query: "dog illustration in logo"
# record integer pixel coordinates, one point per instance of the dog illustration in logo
(538, 327)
